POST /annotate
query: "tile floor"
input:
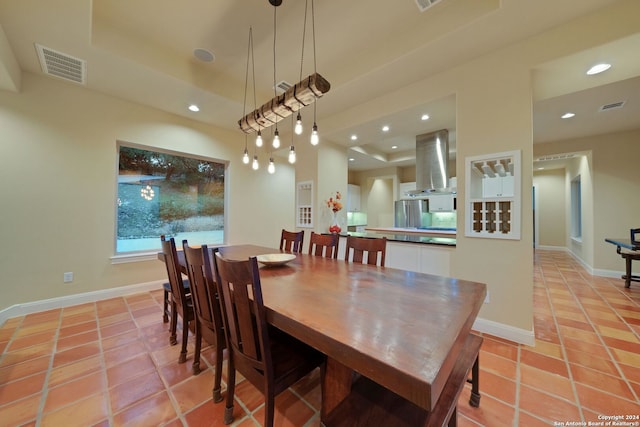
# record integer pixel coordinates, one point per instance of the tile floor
(109, 363)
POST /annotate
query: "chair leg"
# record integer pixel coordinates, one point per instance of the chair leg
(196, 353)
(231, 386)
(165, 307)
(217, 395)
(174, 324)
(185, 337)
(269, 409)
(474, 400)
(453, 421)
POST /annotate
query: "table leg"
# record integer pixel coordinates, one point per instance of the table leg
(627, 279)
(336, 385)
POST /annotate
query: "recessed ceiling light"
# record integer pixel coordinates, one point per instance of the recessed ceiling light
(385, 128)
(393, 147)
(598, 68)
(354, 137)
(567, 115)
(203, 55)
(351, 159)
(425, 117)
(194, 108)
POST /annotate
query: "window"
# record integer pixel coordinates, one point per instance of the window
(161, 192)
(576, 208)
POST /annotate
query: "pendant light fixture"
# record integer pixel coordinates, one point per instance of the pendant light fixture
(293, 100)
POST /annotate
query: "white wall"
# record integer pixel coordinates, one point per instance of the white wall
(58, 187)
(551, 209)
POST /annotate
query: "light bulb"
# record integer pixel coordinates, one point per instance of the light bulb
(276, 139)
(292, 155)
(255, 165)
(314, 135)
(272, 167)
(259, 139)
(245, 157)
(298, 127)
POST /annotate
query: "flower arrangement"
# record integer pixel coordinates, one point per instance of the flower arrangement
(334, 203)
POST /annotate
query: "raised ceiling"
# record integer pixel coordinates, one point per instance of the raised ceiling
(143, 51)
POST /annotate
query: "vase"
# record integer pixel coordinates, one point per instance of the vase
(335, 227)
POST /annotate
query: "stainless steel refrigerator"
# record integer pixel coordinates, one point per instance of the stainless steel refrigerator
(408, 213)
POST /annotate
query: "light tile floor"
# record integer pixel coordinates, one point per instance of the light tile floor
(110, 363)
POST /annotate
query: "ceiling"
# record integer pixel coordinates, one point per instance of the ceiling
(142, 51)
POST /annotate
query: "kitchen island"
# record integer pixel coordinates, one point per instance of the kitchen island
(411, 251)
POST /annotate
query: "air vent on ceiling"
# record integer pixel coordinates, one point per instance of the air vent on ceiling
(425, 4)
(283, 86)
(612, 106)
(61, 65)
(562, 156)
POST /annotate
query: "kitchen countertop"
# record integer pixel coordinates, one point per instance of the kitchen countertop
(421, 231)
(398, 236)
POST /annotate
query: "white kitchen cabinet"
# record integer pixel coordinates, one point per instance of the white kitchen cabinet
(404, 256)
(493, 196)
(498, 186)
(353, 198)
(441, 203)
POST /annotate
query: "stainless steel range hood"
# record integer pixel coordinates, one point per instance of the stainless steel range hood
(432, 158)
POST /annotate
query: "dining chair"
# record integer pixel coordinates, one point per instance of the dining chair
(166, 301)
(268, 358)
(291, 241)
(209, 324)
(180, 301)
(325, 245)
(373, 247)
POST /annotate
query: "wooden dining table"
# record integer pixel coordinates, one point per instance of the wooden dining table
(403, 330)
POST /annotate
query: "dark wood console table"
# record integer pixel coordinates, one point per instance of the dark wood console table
(629, 250)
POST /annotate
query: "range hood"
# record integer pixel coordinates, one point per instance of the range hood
(432, 158)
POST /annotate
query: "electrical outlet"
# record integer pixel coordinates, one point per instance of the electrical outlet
(487, 298)
(68, 277)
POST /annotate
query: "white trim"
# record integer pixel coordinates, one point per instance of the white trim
(582, 262)
(500, 330)
(553, 248)
(135, 257)
(69, 300)
(608, 273)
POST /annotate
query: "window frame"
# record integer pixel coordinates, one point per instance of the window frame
(151, 253)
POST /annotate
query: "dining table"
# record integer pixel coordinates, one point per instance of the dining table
(402, 329)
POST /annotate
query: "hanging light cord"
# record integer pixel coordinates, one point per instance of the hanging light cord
(304, 33)
(313, 33)
(274, 51)
(246, 82)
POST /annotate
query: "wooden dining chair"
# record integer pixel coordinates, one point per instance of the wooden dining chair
(358, 246)
(181, 303)
(325, 245)
(209, 324)
(166, 301)
(268, 358)
(291, 241)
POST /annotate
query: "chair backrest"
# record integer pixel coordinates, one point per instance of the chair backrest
(324, 245)
(204, 291)
(173, 271)
(633, 233)
(244, 314)
(373, 247)
(291, 241)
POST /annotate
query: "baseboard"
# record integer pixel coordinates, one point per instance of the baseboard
(500, 330)
(552, 248)
(608, 273)
(75, 299)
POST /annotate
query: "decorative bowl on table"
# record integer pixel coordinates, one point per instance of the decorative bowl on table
(272, 260)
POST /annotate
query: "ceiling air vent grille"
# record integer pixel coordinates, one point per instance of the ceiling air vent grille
(283, 86)
(61, 65)
(425, 4)
(612, 106)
